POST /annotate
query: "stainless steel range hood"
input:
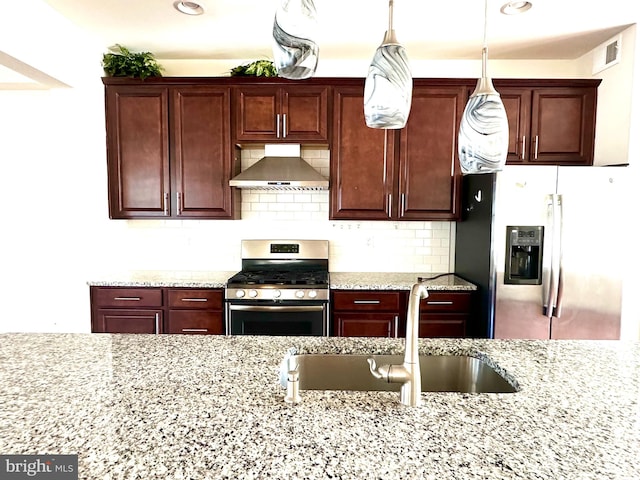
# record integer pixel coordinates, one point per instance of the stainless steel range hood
(282, 168)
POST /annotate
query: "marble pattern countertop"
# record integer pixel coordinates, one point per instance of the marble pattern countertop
(211, 407)
(337, 280)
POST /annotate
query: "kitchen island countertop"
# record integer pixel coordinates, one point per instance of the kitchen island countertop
(200, 407)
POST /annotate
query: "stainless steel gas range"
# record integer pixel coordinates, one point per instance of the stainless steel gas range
(282, 289)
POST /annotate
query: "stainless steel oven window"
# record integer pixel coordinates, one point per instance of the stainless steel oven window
(269, 319)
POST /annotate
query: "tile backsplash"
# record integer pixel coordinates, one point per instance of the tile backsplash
(357, 246)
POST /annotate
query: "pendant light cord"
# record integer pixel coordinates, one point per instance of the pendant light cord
(485, 48)
(484, 38)
(390, 15)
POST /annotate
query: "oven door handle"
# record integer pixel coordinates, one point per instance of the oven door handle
(277, 308)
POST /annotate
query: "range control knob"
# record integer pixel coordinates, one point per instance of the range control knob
(313, 294)
(239, 293)
(299, 293)
(277, 293)
(253, 293)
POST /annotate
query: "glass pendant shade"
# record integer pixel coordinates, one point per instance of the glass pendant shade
(389, 85)
(483, 138)
(295, 53)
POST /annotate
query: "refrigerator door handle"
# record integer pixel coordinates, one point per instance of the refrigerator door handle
(550, 287)
(557, 308)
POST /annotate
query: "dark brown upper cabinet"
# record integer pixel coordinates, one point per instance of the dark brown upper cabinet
(551, 122)
(406, 174)
(282, 113)
(169, 152)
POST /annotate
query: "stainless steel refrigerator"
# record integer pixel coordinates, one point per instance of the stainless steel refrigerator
(546, 247)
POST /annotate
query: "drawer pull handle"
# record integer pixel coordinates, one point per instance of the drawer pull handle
(195, 330)
(440, 303)
(193, 299)
(129, 299)
(366, 302)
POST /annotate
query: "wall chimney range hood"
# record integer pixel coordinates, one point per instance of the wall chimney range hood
(282, 168)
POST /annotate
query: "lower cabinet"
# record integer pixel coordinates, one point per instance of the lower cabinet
(126, 310)
(444, 314)
(156, 310)
(383, 313)
(195, 311)
(367, 313)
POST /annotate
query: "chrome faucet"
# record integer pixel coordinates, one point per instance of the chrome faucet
(409, 372)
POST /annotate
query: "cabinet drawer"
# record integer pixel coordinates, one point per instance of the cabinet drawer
(209, 299)
(126, 297)
(366, 300)
(446, 302)
(451, 328)
(195, 322)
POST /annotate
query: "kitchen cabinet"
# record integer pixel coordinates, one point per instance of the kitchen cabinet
(195, 311)
(169, 151)
(126, 310)
(550, 122)
(367, 313)
(157, 310)
(444, 314)
(406, 174)
(282, 113)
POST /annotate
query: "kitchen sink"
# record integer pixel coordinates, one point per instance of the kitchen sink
(439, 373)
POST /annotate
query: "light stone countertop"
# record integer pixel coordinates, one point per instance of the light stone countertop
(337, 280)
(163, 278)
(211, 407)
(396, 281)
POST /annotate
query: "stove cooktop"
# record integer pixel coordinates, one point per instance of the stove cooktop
(280, 277)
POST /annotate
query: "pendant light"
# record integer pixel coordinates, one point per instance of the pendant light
(483, 138)
(295, 53)
(388, 86)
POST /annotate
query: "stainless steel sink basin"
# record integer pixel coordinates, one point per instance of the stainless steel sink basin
(446, 373)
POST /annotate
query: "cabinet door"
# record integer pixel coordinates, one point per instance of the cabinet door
(273, 113)
(365, 325)
(202, 159)
(563, 125)
(257, 113)
(305, 114)
(517, 104)
(361, 174)
(429, 173)
(127, 321)
(137, 151)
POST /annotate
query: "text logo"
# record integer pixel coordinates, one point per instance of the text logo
(38, 467)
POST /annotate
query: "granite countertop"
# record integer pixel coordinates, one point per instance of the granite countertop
(211, 407)
(396, 281)
(337, 280)
(163, 278)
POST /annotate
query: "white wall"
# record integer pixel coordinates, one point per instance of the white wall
(56, 231)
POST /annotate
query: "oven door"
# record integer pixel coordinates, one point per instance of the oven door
(281, 318)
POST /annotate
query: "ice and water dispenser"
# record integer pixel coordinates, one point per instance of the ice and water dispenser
(523, 263)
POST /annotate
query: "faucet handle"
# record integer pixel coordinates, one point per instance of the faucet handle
(374, 368)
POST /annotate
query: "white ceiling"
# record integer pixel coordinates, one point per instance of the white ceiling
(352, 29)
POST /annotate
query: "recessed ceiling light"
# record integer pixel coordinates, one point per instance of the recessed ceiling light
(513, 8)
(189, 8)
